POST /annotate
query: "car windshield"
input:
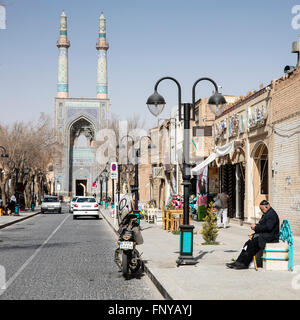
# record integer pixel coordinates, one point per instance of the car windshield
(86, 200)
(51, 200)
(74, 199)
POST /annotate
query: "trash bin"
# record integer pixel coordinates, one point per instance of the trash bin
(201, 213)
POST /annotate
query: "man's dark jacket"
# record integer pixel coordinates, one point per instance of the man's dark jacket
(267, 228)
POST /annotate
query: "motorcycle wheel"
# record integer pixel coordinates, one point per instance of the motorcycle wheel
(125, 264)
(135, 268)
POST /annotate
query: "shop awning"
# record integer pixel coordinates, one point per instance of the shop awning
(220, 152)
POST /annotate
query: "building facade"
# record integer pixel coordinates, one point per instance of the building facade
(243, 130)
(285, 165)
(77, 121)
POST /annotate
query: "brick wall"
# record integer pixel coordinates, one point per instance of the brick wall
(286, 150)
(286, 177)
(144, 182)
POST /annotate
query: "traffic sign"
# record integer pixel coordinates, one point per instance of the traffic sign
(94, 185)
(114, 170)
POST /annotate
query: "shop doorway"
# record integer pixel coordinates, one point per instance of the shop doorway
(260, 176)
(81, 187)
(233, 183)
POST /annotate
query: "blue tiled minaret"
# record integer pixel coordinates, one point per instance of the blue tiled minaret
(102, 47)
(63, 70)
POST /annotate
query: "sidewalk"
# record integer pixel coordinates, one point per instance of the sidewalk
(6, 221)
(210, 279)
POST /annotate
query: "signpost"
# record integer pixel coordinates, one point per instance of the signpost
(114, 170)
(113, 176)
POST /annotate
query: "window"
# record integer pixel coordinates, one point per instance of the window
(86, 200)
(60, 110)
(53, 199)
(197, 116)
(263, 172)
(200, 131)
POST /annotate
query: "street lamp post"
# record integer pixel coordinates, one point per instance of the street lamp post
(106, 188)
(137, 154)
(156, 104)
(101, 184)
(17, 192)
(102, 178)
(113, 193)
(135, 188)
(119, 183)
(43, 187)
(32, 198)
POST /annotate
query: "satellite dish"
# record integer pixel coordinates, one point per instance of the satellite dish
(288, 69)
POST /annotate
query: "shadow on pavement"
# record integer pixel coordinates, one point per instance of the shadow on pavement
(36, 246)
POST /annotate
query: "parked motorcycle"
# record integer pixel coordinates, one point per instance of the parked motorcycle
(127, 257)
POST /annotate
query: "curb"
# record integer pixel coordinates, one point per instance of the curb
(19, 220)
(151, 276)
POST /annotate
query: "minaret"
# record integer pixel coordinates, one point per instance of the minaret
(102, 47)
(63, 71)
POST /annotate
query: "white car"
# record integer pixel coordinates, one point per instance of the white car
(72, 204)
(86, 206)
(51, 204)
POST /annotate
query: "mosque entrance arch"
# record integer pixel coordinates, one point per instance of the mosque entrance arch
(81, 156)
(81, 187)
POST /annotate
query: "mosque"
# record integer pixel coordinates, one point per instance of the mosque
(77, 120)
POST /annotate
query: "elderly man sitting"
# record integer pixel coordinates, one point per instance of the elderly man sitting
(267, 230)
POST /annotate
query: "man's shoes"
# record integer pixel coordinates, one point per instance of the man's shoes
(239, 266)
(231, 265)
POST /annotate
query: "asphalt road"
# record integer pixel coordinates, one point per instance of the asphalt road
(52, 256)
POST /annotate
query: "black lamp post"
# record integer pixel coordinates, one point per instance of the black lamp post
(32, 198)
(106, 188)
(135, 187)
(104, 175)
(101, 184)
(112, 183)
(137, 154)
(113, 193)
(43, 186)
(119, 182)
(156, 104)
(16, 190)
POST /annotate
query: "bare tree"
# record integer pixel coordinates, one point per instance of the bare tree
(30, 147)
(133, 122)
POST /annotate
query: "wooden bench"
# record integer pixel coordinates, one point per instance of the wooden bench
(172, 219)
(166, 219)
(280, 256)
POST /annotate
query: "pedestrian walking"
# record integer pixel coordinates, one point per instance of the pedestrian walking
(221, 203)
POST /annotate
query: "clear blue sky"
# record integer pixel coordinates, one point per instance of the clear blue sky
(238, 43)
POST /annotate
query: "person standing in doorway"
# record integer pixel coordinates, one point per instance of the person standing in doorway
(223, 212)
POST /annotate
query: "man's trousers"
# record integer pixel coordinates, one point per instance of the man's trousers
(250, 249)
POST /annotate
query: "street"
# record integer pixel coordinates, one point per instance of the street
(52, 256)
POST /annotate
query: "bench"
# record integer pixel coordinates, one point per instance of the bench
(150, 213)
(280, 256)
(158, 217)
(154, 215)
(172, 219)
